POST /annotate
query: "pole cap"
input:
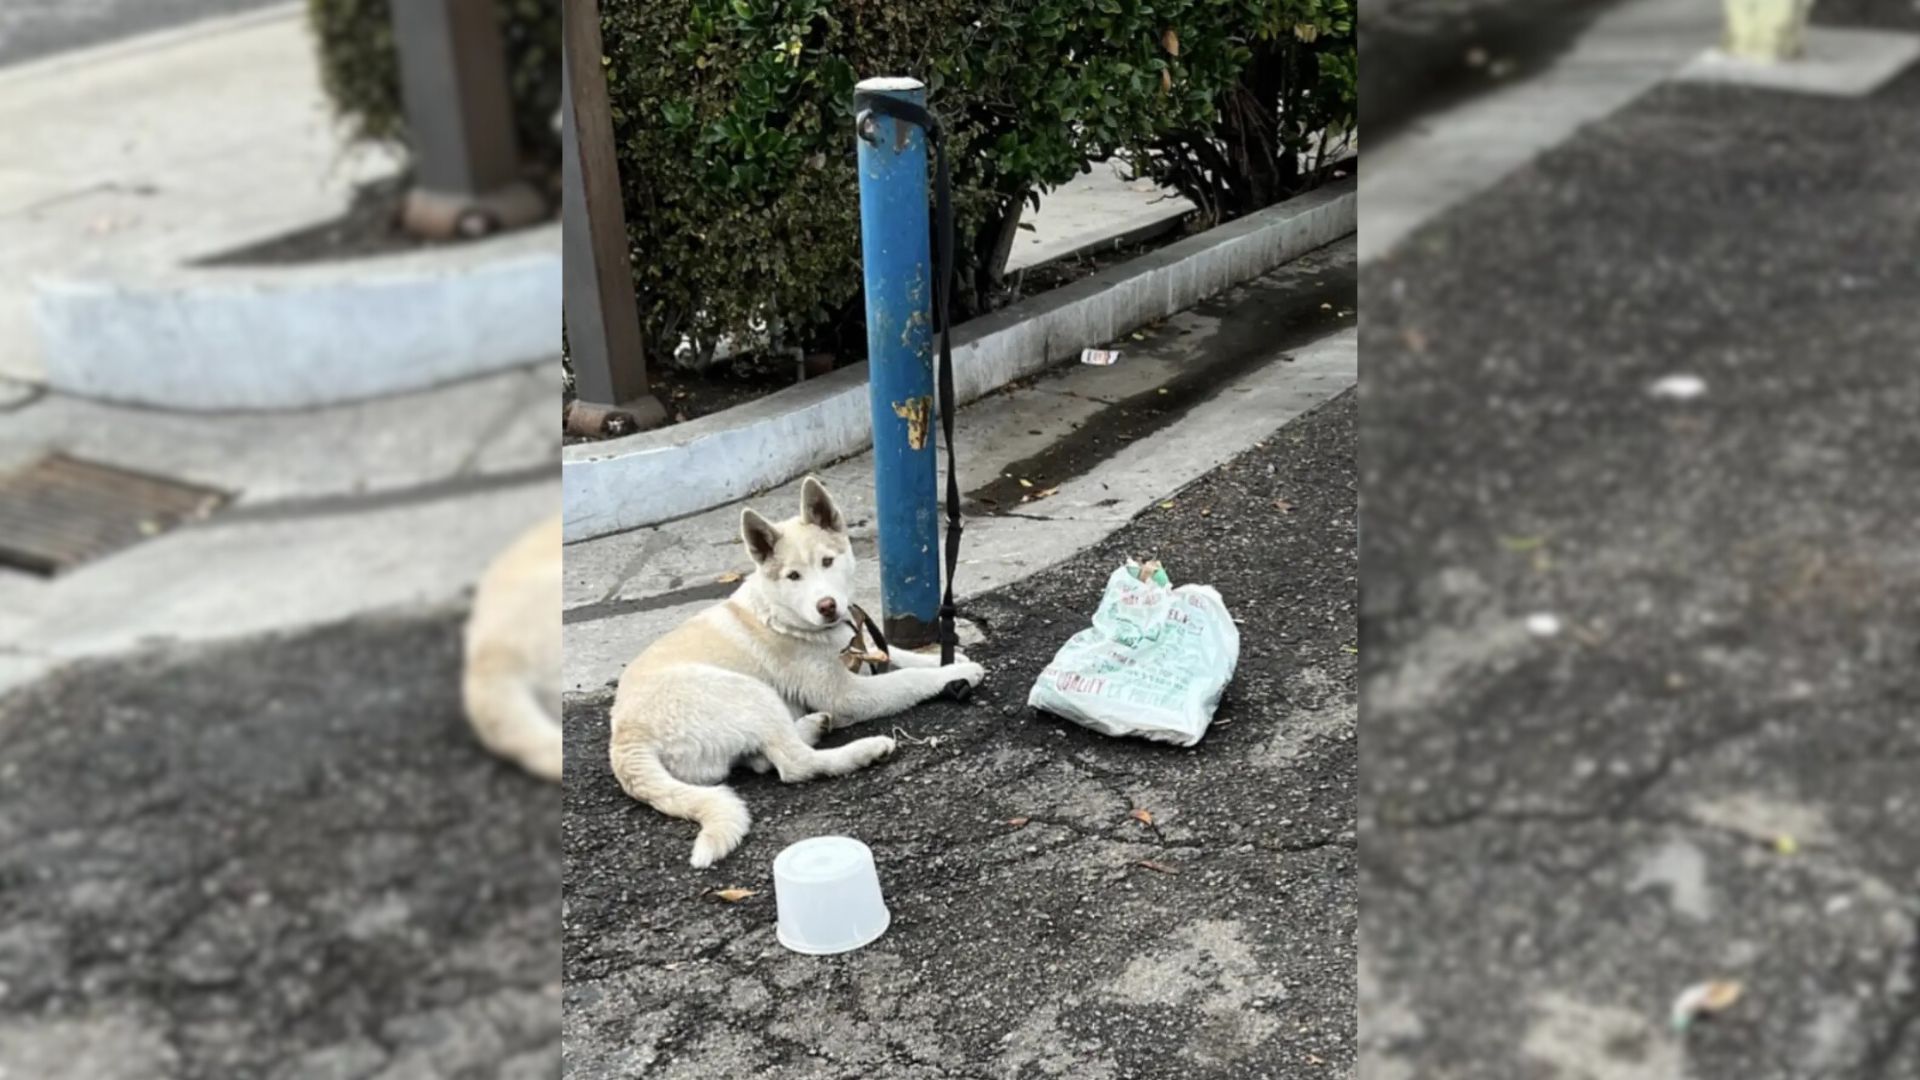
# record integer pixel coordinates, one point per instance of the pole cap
(898, 84)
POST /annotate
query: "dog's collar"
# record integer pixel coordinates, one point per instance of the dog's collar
(801, 631)
(768, 620)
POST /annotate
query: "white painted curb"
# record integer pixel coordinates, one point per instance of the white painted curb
(661, 475)
(270, 337)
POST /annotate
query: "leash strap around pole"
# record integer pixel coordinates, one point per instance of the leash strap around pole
(942, 291)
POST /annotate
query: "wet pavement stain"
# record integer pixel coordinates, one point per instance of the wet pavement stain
(1310, 313)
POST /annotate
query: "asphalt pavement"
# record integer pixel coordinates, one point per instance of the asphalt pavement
(1049, 948)
(31, 29)
(285, 859)
(1639, 607)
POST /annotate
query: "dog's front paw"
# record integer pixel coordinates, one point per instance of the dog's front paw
(871, 749)
(973, 673)
(814, 726)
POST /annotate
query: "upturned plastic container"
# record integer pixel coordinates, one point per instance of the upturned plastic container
(828, 895)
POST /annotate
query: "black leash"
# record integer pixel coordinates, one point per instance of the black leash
(910, 113)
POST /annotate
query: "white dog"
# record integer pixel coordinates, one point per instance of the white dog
(511, 683)
(759, 677)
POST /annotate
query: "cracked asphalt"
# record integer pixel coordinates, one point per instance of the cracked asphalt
(286, 859)
(1638, 671)
(1047, 949)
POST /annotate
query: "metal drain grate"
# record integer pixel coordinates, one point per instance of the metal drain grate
(61, 512)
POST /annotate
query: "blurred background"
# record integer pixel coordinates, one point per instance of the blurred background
(279, 292)
(1639, 584)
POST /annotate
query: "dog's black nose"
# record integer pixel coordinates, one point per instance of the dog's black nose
(828, 609)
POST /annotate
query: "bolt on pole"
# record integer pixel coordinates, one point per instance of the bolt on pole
(898, 270)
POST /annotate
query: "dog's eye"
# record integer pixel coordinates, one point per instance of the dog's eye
(828, 561)
(793, 575)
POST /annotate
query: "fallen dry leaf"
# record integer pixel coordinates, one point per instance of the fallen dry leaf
(1044, 493)
(1166, 80)
(733, 896)
(1024, 482)
(1157, 867)
(1144, 817)
(1170, 40)
(1283, 506)
(727, 578)
(1018, 823)
(1704, 999)
(1166, 505)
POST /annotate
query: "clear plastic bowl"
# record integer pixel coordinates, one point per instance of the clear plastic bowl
(828, 895)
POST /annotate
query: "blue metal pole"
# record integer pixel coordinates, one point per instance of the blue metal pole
(899, 283)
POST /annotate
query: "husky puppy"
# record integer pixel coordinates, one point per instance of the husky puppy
(511, 684)
(759, 677)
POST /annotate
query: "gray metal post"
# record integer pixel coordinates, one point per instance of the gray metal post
(603, 320)
(453, 83)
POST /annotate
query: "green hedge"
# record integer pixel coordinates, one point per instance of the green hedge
(734, 126)
(1286, 114)
(360, 68)
(735, 131)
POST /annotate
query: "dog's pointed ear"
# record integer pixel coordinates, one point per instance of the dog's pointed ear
(817, 508)
(759, 534)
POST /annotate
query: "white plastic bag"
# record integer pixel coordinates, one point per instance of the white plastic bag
(1153, 664)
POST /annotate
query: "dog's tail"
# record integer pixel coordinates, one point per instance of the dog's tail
(506, 713)
(722, 817)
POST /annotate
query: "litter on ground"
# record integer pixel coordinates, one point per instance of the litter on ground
(1153, 664)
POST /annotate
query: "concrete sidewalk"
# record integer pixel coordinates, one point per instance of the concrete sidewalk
(1426, 168)
(383, 506)
(1105, 442)
(1640, 583)
(160, 149)
(1094, 208)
